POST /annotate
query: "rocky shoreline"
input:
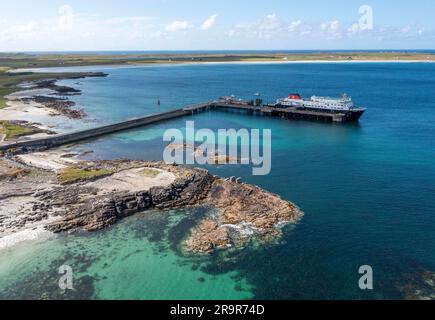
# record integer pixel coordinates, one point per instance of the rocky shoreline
(238, 212)
(30, 110)
(61, 105)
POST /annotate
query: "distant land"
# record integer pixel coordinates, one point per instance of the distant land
(12, 61)
(56, 59)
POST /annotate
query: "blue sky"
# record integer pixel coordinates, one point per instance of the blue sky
(215, 25)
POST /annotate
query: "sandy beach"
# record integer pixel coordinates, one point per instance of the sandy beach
(27, 235)
(26, 111)
(189, 63)
(21, 106)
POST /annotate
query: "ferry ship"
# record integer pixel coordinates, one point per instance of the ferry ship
(342, 105)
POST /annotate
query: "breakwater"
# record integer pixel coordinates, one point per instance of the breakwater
(62, 139)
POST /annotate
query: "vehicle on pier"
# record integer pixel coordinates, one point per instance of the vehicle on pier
(232, 100)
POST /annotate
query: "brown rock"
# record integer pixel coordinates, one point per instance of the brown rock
(207, 237)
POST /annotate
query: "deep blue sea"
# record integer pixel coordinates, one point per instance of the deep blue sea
(367, 189)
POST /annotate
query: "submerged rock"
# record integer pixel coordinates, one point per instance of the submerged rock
(208, 236)
(421, 286)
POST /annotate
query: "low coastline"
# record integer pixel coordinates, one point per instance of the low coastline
(43, 107)
(56, 191)
(199, 63)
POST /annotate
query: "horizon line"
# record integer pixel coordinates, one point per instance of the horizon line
(222, 50)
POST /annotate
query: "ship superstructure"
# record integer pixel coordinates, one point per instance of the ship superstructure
(343, 105)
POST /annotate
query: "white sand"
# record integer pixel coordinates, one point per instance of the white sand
(32, 112)
(96, 68)
(26, 111)
(133, 180)
(14, 209)
(36, 114)
(296, 62)
(30, 93)
(48, 160)
(24, 235)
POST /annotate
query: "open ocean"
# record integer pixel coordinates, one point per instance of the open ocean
(367, 189)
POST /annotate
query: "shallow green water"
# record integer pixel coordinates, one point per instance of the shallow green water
(135, 259)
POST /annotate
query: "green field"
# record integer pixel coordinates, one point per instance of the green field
(12, 130)
(69, 175)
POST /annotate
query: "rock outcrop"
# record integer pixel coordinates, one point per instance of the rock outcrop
(60, 106)
(190, 188)
(244, 212)
(237, 212)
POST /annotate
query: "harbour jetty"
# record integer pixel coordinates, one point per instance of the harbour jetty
(252, 107)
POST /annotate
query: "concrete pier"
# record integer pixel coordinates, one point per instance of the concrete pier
(62, 139)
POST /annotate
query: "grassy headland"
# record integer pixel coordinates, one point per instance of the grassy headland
(12, 130)
(69, 175)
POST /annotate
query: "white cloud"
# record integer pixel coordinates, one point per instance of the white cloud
(210, 22)
(265, 28)
(231, 33)
(270, 23)
(330, 29)
(158, 34)
(179, 26)
(353, 28)
(121, 20)
(89, 31)
(21, 31)
(294, 25)
(384, 33)
(28, 27)
(330, 26)
(406, 29)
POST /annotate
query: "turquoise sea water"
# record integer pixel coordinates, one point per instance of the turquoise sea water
(367, 189)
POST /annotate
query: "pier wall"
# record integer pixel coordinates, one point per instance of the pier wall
(61, 139)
